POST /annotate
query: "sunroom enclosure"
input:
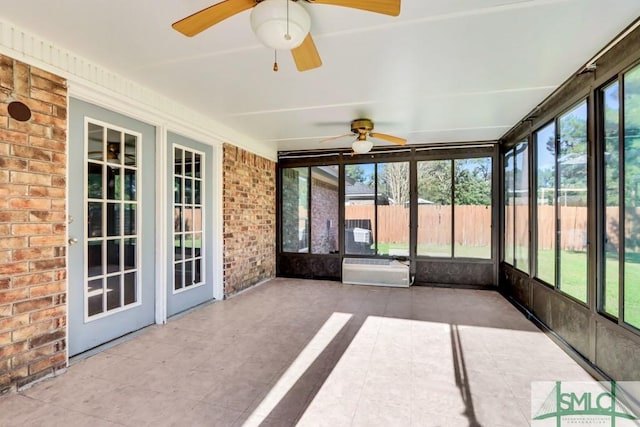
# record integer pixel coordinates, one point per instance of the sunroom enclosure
(550, 214)
(432, 206)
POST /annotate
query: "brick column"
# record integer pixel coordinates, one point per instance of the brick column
(33, 167)
(249, 209)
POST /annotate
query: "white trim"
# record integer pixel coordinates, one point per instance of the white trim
(161, 222)
(66, 269)
(93, 83)
(203, 216)
(218, 219)
(104, 237)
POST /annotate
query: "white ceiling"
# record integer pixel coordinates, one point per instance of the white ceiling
(443, 71)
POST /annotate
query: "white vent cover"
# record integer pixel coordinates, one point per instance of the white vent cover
(375, 271)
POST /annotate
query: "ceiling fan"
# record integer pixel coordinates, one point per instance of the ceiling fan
(113, 153)
(279, 24)
(362, 128)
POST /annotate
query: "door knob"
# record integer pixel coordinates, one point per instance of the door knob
(73, 241)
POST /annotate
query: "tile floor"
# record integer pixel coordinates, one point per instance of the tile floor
(312, 353)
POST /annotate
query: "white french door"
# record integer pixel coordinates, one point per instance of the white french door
(111, 254)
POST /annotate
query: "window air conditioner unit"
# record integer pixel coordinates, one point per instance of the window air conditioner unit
(376, 271)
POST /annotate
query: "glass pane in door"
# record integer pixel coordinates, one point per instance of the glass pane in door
(188, 207)
(111, 216)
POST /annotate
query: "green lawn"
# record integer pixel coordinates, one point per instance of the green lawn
(573, 273)
(573, 281)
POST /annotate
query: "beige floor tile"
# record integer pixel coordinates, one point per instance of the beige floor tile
(402, 358)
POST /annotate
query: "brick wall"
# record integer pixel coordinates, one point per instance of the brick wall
(32, 225)
(249, 209)
(325, 207)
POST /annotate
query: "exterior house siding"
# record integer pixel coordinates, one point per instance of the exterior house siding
(33, 276)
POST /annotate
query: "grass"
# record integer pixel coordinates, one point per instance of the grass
(573, 273)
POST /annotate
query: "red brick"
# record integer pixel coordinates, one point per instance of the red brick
(13, 163)
(6, 72)
(29, 178)
(58, 205)
(47, 120)
(30, 128)
(23, 359)
(48, 143)
(31, 331)
(29, 203)
(59, 134)
(21, 78)
(32, 253)
(7, 135)
(13, 242)
(47, 264)
(59, 228)
(51, 192)
(58, 181)
(13, 216)
(5, 283)
(49, 362)
(13, 295)
(49, 76)
(33, 279)
(48, 85)
(11, 323)
(31, 229)
(12, 190)
(14, 268)
(4, 149)
(58, 240)
(6, 256)
(15, 348)
(32, 305)
(5, 338)
(49, 313)
(47, 167)
(50, 289)
(47, 338)
(60, 112)
(28, 152)
(5, 311)
(59, 100)
(44, 216)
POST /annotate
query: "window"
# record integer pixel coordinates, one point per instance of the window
(611, 135)
(435, 220)
(112, 252)
(188, 208)
(472, 212)
(295, 209)
(521, 206)
(312, 230)
(377, 209)
(561, 206)
(325, 204)
(454, 208)
(631, 236)
(509, 207)
(620, 215)
(516, 222)
(546, 204)
(572, 202)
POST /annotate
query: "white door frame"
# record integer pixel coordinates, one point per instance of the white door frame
(164, 123)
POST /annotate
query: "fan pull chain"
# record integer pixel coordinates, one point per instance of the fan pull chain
(287, 36)
(275, 61)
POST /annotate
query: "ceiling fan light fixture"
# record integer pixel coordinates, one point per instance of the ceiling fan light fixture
(275, 29)
(361, 146)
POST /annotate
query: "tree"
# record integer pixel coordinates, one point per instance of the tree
(434, 181)
(394, 179)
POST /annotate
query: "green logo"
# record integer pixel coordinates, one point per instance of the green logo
(581, 403)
